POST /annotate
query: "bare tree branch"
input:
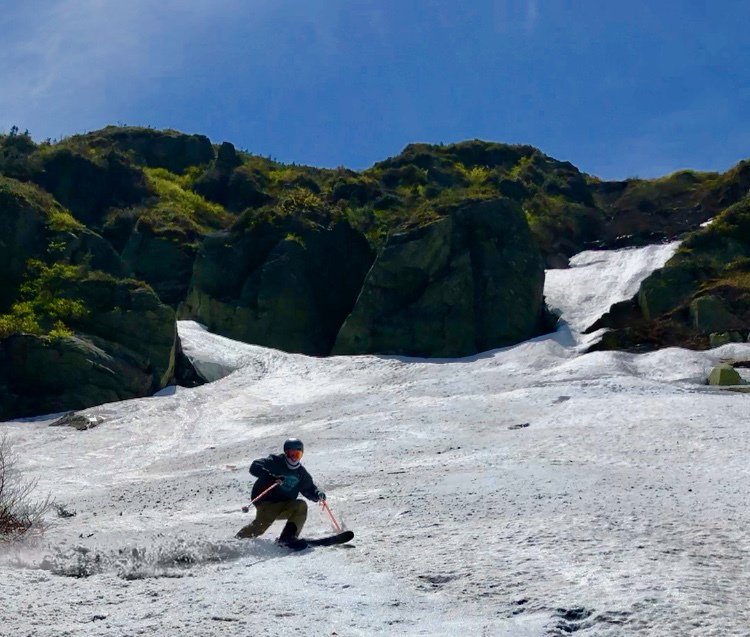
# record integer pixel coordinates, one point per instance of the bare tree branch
(19, 512)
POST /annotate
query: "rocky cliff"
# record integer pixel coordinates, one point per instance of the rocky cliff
(468, 282)
(437, 251)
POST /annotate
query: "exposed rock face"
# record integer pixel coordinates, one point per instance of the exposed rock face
(165, 262)
(168, 149)
(26, 231)
(710, 313)
(22, 235)
(125, 349)
(27, 228)
(229, 184)
(87, 187)
(122, 346)
(641, 212)
(86, 247)
(38, 376)
(666, 288)
(131, 317)
(469, 282)
(284, 275)
(285, 284)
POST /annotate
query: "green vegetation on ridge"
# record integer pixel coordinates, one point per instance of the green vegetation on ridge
(177, 209)
(137, 186)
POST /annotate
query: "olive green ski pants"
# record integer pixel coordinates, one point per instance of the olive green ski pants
(266, 513)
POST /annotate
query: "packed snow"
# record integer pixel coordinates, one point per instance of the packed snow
(527, 491)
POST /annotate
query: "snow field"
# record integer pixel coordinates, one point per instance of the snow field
(529, 491)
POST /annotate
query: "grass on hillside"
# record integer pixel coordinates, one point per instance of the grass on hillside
(179, 210)
(58, 218)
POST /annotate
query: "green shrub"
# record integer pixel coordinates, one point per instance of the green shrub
(301, 201)
(20, 320)
(15, 151)
(44, 308)
(476, 175)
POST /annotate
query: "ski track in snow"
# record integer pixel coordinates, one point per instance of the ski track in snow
(528, 491)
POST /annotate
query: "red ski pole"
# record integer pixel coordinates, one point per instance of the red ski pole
(336, 525)
(246, 508)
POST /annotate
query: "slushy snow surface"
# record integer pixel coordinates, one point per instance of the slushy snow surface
(527, 491)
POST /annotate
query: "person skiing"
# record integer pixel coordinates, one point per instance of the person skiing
(291, 478)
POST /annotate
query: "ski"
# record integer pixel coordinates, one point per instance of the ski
(301, 543)
(330, 540)
(294, 544)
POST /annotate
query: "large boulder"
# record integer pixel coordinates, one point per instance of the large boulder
(724, 374)
(469, 282)
(667, 289)
(710, 313)
(39, 375)
(286, 284)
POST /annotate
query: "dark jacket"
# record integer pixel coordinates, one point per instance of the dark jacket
(296, 481)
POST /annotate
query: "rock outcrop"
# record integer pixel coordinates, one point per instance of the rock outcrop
(700, 299)
(290, 263)
(124, 349)
(78, 335)
(285, 283)
(23, 222)
(469, 282)
(88, 186)
(230, 184)
(164, 260)
(168, 149)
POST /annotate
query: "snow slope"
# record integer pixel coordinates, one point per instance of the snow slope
(527, 491)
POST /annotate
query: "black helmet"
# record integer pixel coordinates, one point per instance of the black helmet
(293, 443)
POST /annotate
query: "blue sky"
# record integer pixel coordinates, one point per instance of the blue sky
(621, 89)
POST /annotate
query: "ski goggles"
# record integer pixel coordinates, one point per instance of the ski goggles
(294, 455)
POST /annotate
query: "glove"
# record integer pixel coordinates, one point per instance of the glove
(321, 495)
(277, 479)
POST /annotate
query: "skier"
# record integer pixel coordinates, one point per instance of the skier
(291, 478)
